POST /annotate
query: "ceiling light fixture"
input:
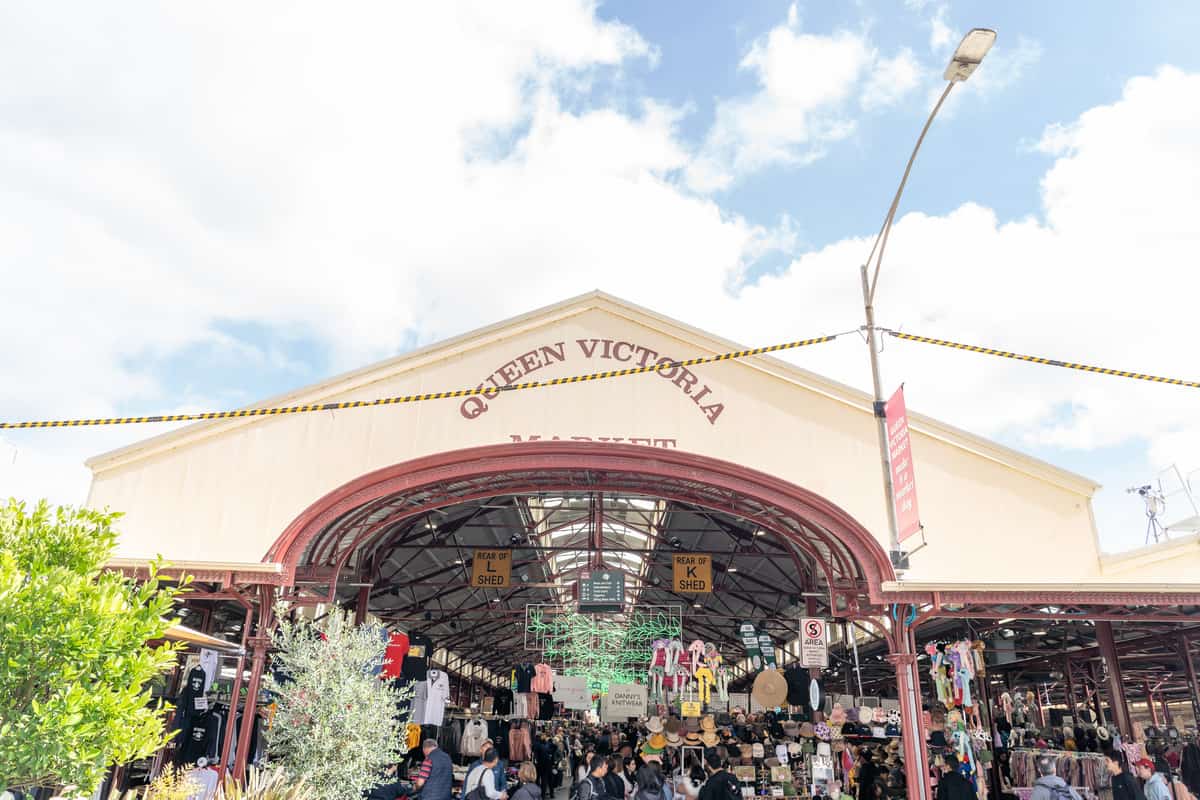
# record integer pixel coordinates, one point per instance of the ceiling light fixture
(731, 568)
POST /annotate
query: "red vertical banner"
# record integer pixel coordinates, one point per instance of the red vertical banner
(904, 485)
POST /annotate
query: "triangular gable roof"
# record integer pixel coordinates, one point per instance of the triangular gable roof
(481, 337)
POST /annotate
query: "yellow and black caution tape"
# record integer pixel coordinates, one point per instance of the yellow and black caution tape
(1053, 362)
(413, 398)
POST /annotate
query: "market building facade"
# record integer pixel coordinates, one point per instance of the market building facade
(770, 470)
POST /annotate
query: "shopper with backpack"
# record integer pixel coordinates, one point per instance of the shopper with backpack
(592, 787)
(1049, 786)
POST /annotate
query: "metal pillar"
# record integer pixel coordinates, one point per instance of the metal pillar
(260, 642)
(1116, 686)
(360, 611)
(1150, 704)
(903, 658)
(1070, 680)
(1096, 704)
(1189, 667)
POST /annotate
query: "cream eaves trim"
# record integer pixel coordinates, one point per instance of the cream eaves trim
(1109, 585)
(261, 567)
(359, 379)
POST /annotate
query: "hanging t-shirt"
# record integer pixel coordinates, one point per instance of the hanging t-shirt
(543, 679)
(397, 649)
(416, 660)
(208, 663)
(502, 702)
(420, 700)
(545, 707)
(437, 693)
(524, 675)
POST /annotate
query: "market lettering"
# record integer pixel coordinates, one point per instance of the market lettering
(624, 352)
(648, 441)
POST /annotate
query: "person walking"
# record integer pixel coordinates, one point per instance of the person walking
(529, 788)
(1049, 786)
(1154, 782)
(593, 786)
(1124, 786)
(435, 780)
(952, 785)
(481, 781)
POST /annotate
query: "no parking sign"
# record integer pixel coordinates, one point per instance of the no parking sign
(814, 642)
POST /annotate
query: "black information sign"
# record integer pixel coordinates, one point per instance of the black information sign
(601, 591)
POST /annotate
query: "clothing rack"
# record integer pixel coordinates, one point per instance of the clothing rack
(1077, 768)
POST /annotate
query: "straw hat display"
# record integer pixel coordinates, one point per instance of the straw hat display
(656, 742)
(708, 723)
(770, 688)
(654, 724)
(673, 739)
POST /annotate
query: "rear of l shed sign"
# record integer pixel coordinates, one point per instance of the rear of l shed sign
(491, 569)
(814, 642)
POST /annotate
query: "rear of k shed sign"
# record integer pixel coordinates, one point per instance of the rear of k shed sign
(814, 642)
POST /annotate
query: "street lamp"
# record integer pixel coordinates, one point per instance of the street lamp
(967, 57)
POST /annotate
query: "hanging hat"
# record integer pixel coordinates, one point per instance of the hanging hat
(837, 716)
(791, 729)
(710, 739)
(822, 731)
(656, 742)
(807, 731)
(672, 725)
(654, 724)
(770, 688)
(865, 714)
(794, 748)
(1102, 733)
(879, 715)
(757, 750)
(692, 739)
(937, 739)
(673, 739)
(708, 723)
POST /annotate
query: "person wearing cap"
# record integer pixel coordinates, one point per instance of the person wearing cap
(1049, 786)
(1124, 787)
(1154, 782)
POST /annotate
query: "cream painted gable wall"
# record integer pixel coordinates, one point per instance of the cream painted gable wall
(224, 491)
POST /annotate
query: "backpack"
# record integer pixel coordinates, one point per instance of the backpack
(1062, 792)
(576, 790)
(479, 792)
(643, 794)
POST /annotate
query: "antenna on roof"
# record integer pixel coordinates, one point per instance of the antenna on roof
(1156, 504)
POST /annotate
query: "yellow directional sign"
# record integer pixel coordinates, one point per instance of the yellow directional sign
(491, 569)
(693, 573)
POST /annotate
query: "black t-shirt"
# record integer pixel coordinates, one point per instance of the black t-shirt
(524, 674)
(797, 685)
(502, 700)
(721, 785)
(416, 660)
(545, 707)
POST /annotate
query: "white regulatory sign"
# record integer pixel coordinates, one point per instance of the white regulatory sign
(814, 642)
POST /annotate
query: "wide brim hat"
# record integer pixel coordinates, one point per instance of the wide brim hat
(806, 730)
(656, 742)
(692, 739)
(654, 724)
(708, 723)
(770, 688)
(672, 725)
(710, 739)
(1102, 733)
(673, 739)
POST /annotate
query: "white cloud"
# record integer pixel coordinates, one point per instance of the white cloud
(802, 104)
(941, 35)
(354, 178)
(892, 79)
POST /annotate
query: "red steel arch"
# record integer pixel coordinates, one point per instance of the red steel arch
(851, 558)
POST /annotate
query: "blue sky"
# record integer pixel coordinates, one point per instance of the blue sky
(202, 207)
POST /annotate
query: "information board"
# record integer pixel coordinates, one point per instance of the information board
(814, 642)
(601, 591)
(693, 573)
(626, 700)
(491, 569)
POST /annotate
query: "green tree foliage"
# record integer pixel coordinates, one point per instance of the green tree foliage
(336, 726)
(74, 665)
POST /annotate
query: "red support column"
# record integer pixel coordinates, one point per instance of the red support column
(364, 598)
(903, 658)
(1070, 679)
(1116, 686)
(1189, 668)
(261, 641)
